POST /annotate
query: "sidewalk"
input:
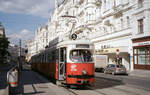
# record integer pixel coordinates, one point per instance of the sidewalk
(33, 83)
(140, 73)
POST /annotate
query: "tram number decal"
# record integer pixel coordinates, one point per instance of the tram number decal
(73, 68)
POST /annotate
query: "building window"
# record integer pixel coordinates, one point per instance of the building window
(128, 21)
(121, 24)
(104, 5)
(140, 3)
(73, 1)
(140, 26)
(118, 2)
(142, 56)
(73, 13)
(87, 1)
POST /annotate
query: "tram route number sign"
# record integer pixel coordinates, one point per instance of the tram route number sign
(74, 36)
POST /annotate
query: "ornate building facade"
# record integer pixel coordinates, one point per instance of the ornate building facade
(112, 25)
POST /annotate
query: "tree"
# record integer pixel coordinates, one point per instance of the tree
(4, 43)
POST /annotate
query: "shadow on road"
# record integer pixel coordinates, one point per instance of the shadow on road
(28, 80)
(3, 75)
(101, 83)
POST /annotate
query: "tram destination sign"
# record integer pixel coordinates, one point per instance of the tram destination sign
(82, 46)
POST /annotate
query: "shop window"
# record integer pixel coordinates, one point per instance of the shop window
(135, 51)
(142, 56)
(135, 59)
(141, 51)
(148, 59)
(141, 59)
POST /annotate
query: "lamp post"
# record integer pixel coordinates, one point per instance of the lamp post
(19, 56)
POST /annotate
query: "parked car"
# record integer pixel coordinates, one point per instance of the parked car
(115, 69)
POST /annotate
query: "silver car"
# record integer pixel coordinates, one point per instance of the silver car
(115, 69)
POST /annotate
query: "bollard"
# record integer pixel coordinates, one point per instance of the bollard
(13, 78)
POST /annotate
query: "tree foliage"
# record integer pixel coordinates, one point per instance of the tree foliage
(4, 43)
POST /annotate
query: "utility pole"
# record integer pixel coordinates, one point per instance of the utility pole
(19, 53)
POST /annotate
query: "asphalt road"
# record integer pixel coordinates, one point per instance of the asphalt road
(139, 82)
(105, 84)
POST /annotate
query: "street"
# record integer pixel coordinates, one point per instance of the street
(139, 82)
(105, 84)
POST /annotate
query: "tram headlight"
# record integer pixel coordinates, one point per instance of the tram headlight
(84, 72)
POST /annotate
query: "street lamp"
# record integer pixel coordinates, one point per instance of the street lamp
(19, 56)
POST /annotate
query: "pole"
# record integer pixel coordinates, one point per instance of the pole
(20, 63)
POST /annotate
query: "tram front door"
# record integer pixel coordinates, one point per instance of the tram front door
(62, 64)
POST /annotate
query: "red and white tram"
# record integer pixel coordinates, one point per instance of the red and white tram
(68, 61)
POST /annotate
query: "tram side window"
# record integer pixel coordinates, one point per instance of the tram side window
(57, 54)
(49, 57)
(53, 56)
(44, 57)
(40, 58)
(37, 59)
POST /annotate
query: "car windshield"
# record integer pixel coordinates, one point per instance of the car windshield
(112, 65)
(120, 66)
(81, 56)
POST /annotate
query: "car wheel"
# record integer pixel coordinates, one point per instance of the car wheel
(113, 73)
(105, 72)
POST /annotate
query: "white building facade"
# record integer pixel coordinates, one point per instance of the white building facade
(112, 25)
(2, 30)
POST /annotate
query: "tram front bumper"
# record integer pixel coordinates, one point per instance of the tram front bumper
(80, 81)
(83, 81)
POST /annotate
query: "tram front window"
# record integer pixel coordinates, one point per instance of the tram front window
(81, 56)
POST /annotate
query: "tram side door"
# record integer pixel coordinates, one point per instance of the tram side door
(62, 63)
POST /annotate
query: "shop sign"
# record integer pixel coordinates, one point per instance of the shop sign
(141, 43)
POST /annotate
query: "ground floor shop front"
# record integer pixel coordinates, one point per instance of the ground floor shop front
(141, 53)
(133, 53)
(113, 58)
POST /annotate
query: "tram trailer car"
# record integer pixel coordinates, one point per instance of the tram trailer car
(70, 62)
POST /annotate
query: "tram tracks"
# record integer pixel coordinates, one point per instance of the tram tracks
(82, 91)
(92, 90)
(71, 92)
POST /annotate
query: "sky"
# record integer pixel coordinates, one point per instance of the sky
(21, 18)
